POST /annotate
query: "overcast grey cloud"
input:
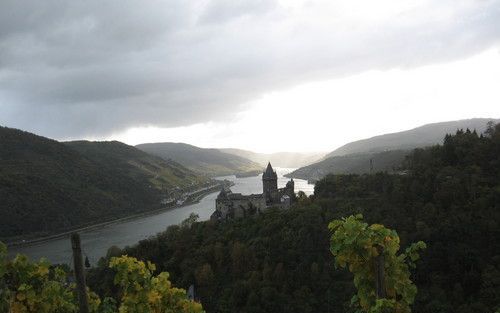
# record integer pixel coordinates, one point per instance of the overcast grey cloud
(89, 68)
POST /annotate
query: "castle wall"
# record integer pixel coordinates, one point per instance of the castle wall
(236, 205)
(240, 206)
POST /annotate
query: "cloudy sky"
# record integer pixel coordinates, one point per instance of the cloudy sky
(265, 75)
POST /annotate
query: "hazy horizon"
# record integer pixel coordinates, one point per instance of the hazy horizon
(265, 76)
(302, 152)
(324, 152)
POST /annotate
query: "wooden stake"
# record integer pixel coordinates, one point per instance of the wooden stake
(79, 273)
(380, 274)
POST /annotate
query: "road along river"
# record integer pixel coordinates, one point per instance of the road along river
(96, 241)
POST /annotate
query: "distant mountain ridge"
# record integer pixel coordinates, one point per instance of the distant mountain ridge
(360, 163)
(426, 135)
(47, 186)
(279, 159)
(385, 152)
(207, 161)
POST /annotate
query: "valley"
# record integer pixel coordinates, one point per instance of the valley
(129, 231)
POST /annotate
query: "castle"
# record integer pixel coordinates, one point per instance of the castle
(235, 205)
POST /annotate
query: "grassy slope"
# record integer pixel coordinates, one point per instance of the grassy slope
(206, 161)
(47, 186)
(137, 164)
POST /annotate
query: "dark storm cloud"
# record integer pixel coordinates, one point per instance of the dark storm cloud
(77, 68)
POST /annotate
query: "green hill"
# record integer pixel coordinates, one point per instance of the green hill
(280, 261)
(48, 187)
(386, 151)
(211, 162)
(423, 136)
(137, 164)
(387, 161)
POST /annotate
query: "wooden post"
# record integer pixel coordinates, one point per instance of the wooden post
(380, 274)
(79, 273)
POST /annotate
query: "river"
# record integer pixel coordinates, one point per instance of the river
(96, 241)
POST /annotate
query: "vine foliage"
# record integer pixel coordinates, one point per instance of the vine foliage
(356, 246)
(29, 287)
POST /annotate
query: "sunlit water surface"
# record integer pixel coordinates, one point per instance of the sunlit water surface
(95, 242)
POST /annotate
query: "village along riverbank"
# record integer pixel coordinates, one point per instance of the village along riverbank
(96, 240)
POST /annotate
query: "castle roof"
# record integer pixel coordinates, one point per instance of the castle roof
(269, 172)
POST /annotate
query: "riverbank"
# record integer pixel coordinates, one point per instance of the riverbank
(126, 232)
(193, 198)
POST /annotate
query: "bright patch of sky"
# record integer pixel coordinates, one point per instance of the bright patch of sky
(323, 115)
(265, 75)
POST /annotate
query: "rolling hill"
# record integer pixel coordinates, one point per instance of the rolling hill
(387, 151)
(212, 162)
(279, 159)
(138, 164)
(48, 186)
(386, 161)
(423, 136)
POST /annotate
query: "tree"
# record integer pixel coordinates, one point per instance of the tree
(144, 292)
(303, 198)
(188, 222)
(29, 287)
(360, 248)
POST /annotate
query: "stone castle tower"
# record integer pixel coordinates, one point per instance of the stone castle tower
(270, 185)
(235, 205)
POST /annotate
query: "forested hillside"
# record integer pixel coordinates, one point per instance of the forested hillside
(385, 152)
(280, 260)
(138, 164)
(387, 161)
(47, 186)
(423, 136)
(211, 162)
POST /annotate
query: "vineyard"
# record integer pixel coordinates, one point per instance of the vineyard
(38, 287)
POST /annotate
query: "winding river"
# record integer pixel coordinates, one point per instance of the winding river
(96, 241)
